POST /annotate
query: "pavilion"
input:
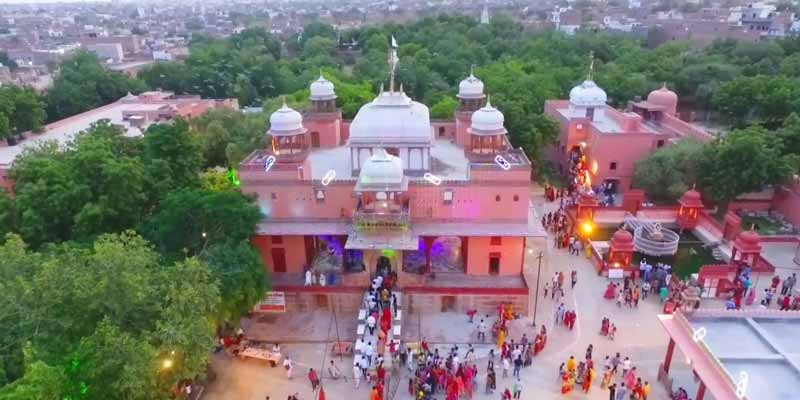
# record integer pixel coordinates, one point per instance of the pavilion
(736, 354)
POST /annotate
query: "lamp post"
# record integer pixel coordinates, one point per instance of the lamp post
(538, 277)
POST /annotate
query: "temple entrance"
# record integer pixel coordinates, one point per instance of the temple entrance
(326, 254)
(448, 303)
(446, 256)
(494, 263)
(279, 260)
(315, 140)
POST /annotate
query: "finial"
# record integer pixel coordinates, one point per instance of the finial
(489, 101)
(401, 87)
(591, 65)
(664, 85)
(283, 99)
(381, 91)
(472, 71)
(753, 227)
(694, 185)
(320, 74)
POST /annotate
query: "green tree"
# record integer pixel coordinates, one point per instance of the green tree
(445, 108)
(171, 157)
(669, 172)
(6, 61)
(83, 84)
(226, 136)
(744, 161)
(189, 221)
(241, 275)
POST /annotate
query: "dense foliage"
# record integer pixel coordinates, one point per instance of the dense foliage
(82, 84)
(123, 305)
(21, 110)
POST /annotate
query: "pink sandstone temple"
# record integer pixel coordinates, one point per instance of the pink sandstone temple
(446, 205)
(613, 140)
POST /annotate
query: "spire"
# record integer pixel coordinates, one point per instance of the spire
(283, 99)
(393, 60)
(489, 101)
(591, 65)
(472, 71)
(320, 74)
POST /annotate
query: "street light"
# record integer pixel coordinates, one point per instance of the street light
(538, 277)
(167, 364)
(587, 228)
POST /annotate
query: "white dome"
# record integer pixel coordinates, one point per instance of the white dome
(286, 121)
(587, 94)
(322, 89)
(391, 119)
(488, 121)
(471, 87)
(381, 168)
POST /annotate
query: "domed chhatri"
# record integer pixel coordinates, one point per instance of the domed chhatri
(587, 94)
(322, 89)
(381, 169)
(286, 121)
(488, 121)
(750, 237)
(622, 237)
(665, 98)
(471, 88)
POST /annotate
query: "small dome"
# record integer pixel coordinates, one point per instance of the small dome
(622, 236)
(286, 121)
(381, 168)
(750, 237)
(488, 121)
(471, 88)
(665, 98)
(587, 94)
(322, 89)
(691, 198)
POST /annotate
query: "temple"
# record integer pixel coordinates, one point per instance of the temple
(444, 204)
(606, 142)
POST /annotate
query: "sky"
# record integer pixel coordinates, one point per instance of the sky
(46, 1)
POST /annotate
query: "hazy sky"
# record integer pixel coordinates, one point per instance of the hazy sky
(46, 1)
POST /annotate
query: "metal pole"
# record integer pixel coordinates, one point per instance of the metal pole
(538, 277)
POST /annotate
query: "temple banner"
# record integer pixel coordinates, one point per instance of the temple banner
(274, 302)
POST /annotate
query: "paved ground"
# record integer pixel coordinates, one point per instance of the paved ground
(640, 337)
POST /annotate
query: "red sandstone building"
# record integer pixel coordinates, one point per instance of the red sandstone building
(614, 140)
(391, 187)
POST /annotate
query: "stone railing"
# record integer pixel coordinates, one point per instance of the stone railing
(366, 219)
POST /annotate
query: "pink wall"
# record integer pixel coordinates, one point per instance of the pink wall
(294, 249)
(471, 202)
(345, 130)
(787, 201)
(298, 200)
(463, 121)
(624, 149)
(329, 127)
(511, 252)
(444, 129)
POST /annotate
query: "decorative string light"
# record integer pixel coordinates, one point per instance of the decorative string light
(431, 178)
(328, 177)
(269, 163)
(499, 160)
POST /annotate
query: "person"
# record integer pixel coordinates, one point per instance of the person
(574, 278)
(566, 386)
(276, 348)
(645, 390)
(482, 331)
(626, 366)
(517, 365)
(612, 332)
(313, 378)
(620, 298)
(572, 365)
(308, 276)
(588, 379)
(287, 365)
(373, 394)
(517, 389)
(609, 294)
(546, 289)
(612, 392)
(663, 293)
(357, 372)
(368, 352)
(501, 338)
(506, 394)
(622, 392)
(506, 367)
(334, 371)
(371, 324)
(645, 289)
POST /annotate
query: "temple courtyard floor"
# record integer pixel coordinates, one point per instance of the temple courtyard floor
(307, 338)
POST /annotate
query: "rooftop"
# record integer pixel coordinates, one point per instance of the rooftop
(758, 343)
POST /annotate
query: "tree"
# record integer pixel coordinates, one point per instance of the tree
(226, 136)
(445, 108)
(191, 220)
(172, 158)
(241, 276)
(83, 84)
(669, 172)
(744, 161)
(8, 215)
(96, 185)
(6, 61)
(98, 322)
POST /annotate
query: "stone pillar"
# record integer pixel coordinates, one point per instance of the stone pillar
(701, 391)
(668, 358)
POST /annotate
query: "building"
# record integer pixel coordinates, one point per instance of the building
(133, 113)
(444, 204)
(106, 52)
(732, 354)
(608, 142)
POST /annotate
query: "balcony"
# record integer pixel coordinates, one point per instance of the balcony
(376, 216)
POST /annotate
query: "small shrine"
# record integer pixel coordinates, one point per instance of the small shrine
(689, 211)
(587, 203)
(747, 247)
(621, 250)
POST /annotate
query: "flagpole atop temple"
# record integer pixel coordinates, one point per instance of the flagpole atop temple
(393, 59)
